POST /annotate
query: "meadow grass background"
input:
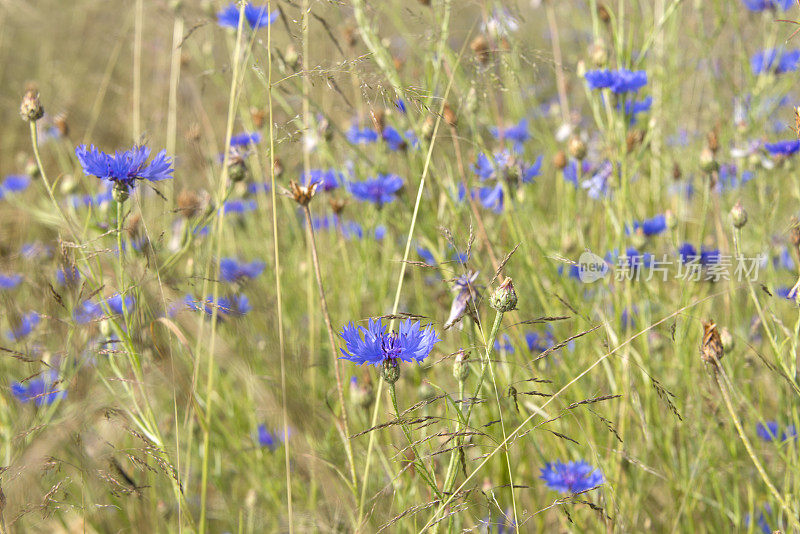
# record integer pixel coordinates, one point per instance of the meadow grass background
(159, 432)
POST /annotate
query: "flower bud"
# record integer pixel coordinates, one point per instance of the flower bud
(461, 366)
(560, 160)
(598, 54)
(727, 340)
(707, 161)
(390, 370)
(120, 193)
(426, 390)
(577, 148)
(738, 215)
(504, 298)
(31, 108)
(237, 170)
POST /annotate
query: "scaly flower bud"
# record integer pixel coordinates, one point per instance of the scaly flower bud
(504, 298)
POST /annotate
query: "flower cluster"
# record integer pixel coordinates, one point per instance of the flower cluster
(256, 17)
(618, 81)
(42, 390)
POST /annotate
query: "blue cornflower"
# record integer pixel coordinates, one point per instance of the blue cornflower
(239, 207)
(68, 275)
(570, 173)
(245, 139)
(268, 439)
(773, 60)
(634, 108)
(327, 179)
(426, 255)
(688, 253)
(380, 232)
(571, 477)
(783, 260)
(783, 148)
(394, 139)
(42, 389)
(763, 5)
(619, 81)
(359, 136)
(375, 344)
(126, 167)
(231, 270)
(26, 325)
(401, 105)
(729, 177)
(597, 185)
(492, 197)
(15, 183)
(651, 227)
(10, 281)
(255, 188)
(503, 344)
(32, 251)
(768, 431)
(379, 190)
(538, 342)
(89, 311)
(226, 306)
(518, 134)
(256, 17)
(483, 167)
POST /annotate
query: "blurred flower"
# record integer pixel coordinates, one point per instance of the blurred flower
(597, 185)
(256, 17)
(239, 206)
(14, 183)
(246, 139)
(768, 431)
(540, 342)
(234, 306)
(571, 477)
(378, 190)
(619, 81)
(89, 311)
(426, 255)
(410, 343)
(359, 136)
(393, 139)
(327, 179)
(728, 177)
(634, 108)
(518, 134)
(268, 439)
(231, 270)
(503, 344)
(688, 253)
(42, 389)
(124, 167)
(492, 197)
(774, 60)
(10, 281)
(68, 276)
(25, 326)
(783, 148)
(651, 227)
(763, 5)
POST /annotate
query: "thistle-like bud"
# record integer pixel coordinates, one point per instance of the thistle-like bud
(292, 57)
(427, 127)
(560, 160)
(577, 148)
(727, 340)
(738, 215)
(120, 192)
(598, 54)
(31, 108)
(708, 162)
(480, 47)
(449, 115)
(711, 349)
(390, 370)
(337, 205)
(426, 390)
(237, 169)
(603, 13)
(461, 366)
(504, 298)
(189, 203)
(31, 168)
(258, 115)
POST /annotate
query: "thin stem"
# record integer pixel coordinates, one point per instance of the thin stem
(332, 339)
(423, 469)
(278, 295)
(791, 514)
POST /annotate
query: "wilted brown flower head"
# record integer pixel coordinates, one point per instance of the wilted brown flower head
(31, 108)
(302, 194)
(711, 350)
